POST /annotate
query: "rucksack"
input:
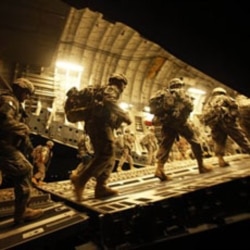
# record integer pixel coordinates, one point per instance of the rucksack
(161, 102)
(37, 153)
(78, 104)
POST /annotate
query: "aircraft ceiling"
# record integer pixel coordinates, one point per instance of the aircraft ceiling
(212, 36)
(105, 39)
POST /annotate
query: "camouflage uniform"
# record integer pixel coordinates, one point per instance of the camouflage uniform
(85, 152)
(103, 115)
(149, 141)
(128, 143)
(118, 143)
(14, 140)
(173, 118)
(221, 114)
(42, 156)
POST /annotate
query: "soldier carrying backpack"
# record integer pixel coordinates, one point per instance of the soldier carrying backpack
(172, 114)
(98, 108)
(42, 155)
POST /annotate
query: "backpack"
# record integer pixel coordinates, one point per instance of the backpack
(79, 104)
(37, 153)
(161, 102)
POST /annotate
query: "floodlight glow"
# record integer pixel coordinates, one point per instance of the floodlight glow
(124, 106)
(149, 117)
(146, 109)
(69, 66)
(196, 91)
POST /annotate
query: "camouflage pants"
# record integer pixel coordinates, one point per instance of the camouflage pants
(40, 169)
(15, 166)
(170, 134)
(220, 133)
(102, 164)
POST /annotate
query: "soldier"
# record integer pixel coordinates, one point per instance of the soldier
(150, 142)
(128, 143)
(15, 143)
(221, 114)
(118, 143)
(85, 152)
(42, 156)
(102, 116)
(172, 112)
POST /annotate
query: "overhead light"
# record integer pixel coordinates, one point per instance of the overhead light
(125, 106)
(146, 109)
(196, 91)
(69, 66)
(149, 117)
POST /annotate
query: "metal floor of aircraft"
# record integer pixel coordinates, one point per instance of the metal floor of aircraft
(140, 187)
(145, 212)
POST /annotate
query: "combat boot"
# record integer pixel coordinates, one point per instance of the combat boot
(34, 181)
(205, 168)
(28, 215)
(222, 162)
(102, 190)
(78, 186)
(132, 167)
(119, 169)
(202, 167)
(159, 173)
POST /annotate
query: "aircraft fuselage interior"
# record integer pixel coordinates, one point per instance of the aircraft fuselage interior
(57, 47)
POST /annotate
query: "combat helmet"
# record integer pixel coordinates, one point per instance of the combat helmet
(176, 83)
(219, 91)
(50, 143)
(24, 83)
(119, 80)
